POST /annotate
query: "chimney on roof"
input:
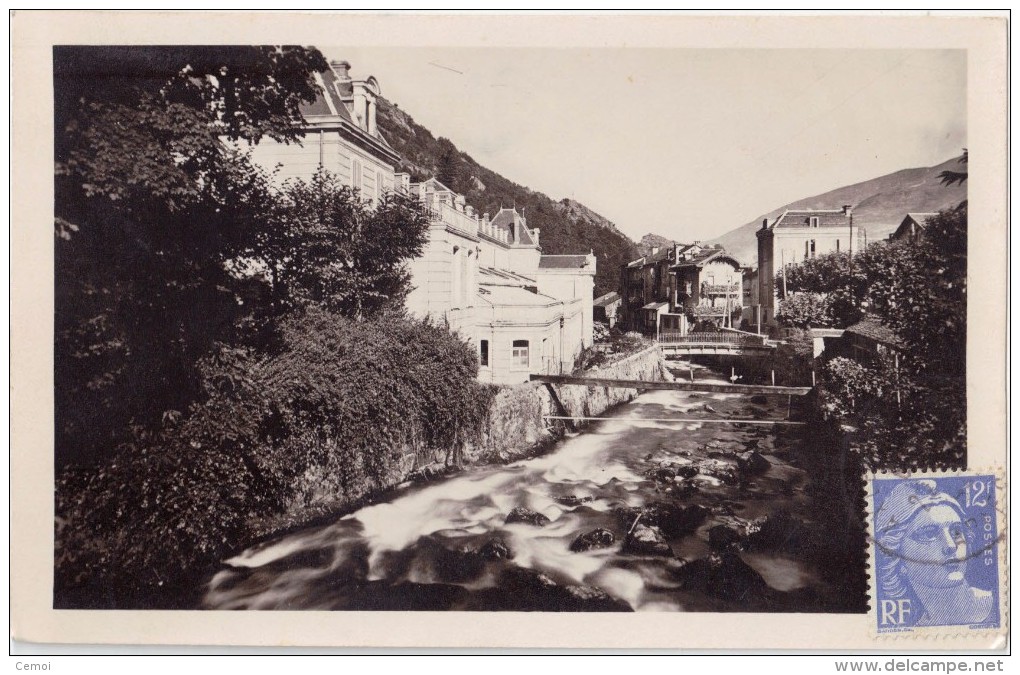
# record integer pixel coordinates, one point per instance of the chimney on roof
(403, 182)
(342, 69)
(764, 223)
(847, 209)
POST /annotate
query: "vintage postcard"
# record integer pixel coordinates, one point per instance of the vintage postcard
(509, 330)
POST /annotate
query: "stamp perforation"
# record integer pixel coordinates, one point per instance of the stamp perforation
(939, 632)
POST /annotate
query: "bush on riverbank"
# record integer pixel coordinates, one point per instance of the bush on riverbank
(331, 412)
(894, 419)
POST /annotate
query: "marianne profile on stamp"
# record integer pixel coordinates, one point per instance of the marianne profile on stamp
(925, 543)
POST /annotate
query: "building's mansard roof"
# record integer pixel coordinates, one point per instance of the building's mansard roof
(516, 225)
(794, 218)
(335, 106)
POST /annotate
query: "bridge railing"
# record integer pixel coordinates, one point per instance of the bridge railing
(735, 339)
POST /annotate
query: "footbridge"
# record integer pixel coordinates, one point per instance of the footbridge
(675, 345)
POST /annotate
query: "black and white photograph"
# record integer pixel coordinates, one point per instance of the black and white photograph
(502, 329)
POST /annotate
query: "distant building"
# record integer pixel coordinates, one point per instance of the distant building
(912, 227)
(486, 279)
(708, 285)
(868, 339)
(794, 237)
(607, 307)
(674, 287)
(645, 287)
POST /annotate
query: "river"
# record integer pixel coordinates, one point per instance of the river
(680, 516)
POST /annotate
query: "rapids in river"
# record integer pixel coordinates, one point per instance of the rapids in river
(639, 512)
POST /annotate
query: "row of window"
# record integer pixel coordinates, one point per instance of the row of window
(810, 248)
(519, 354)
(357, 177)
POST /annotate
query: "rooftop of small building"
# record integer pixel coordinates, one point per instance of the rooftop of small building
(709, 255)
(498, 277)
(514, 296)
(563, 262)
(873, 328)
(607, 299)
(918, 217)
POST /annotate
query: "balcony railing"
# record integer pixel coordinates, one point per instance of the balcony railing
(708, 310)
(720, 289)
(676, 338)
(438, 212)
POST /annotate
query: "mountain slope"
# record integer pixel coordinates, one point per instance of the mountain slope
(651, 241)
(567, 226)
(879, 205)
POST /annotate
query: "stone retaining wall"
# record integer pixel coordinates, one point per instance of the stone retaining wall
(516, 427)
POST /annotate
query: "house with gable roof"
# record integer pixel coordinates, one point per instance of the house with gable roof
(795, 236)
(911, 228)
(708, 285)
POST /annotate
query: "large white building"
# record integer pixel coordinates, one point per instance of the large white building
(795, 236)
(485, 278)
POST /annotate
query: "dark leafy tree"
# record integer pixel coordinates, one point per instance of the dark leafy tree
(949, 178)
(151, 201)
(329, 247)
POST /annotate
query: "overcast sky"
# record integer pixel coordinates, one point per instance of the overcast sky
(686, 143)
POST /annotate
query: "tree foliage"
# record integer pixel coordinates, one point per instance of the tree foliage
(805, 310)
(323, 244)
(270, 433)
(918, 289)
(150, 205)
(950, 178)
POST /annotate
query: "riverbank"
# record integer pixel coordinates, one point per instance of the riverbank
(515, 428)
(641, 513)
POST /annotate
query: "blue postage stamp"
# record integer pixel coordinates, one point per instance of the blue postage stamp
(935, 542)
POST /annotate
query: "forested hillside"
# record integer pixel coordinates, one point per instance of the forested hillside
(567, 226)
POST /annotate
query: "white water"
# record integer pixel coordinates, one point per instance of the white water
(383, 542)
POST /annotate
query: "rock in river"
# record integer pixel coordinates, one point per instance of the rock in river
(574, 500)
(599, 538)
(753, 463)
(724, 575)
(721, 537)
(522, 589)
(646, 541)
(523, 515)
(496, 549)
